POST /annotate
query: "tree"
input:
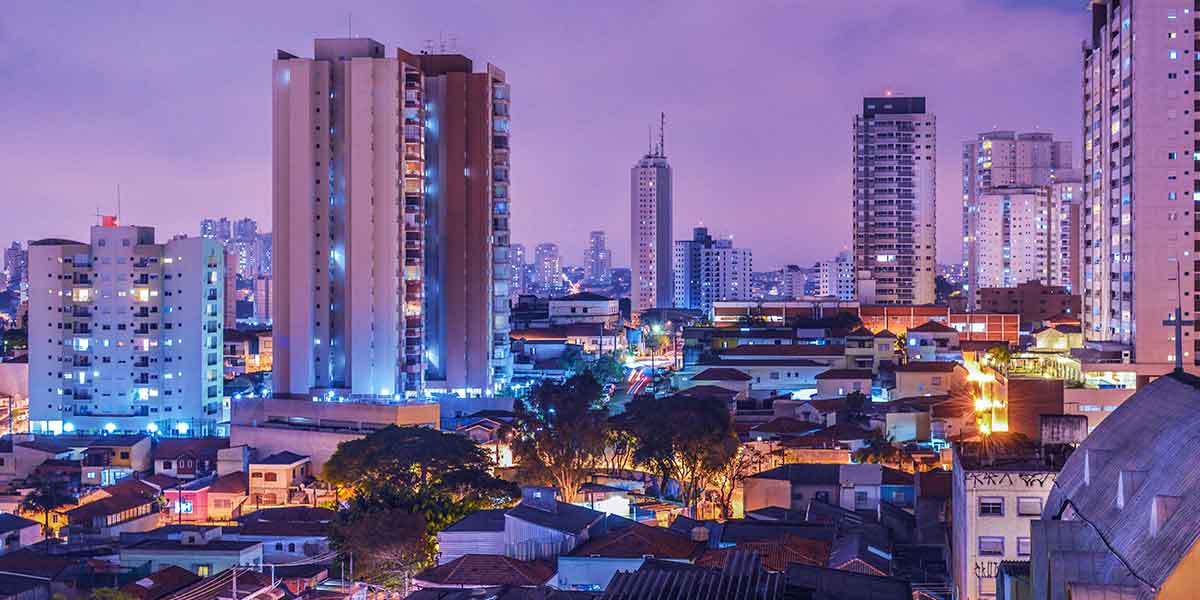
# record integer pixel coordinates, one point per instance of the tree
(560, 432)
(855, 401)
(420, 459)
(747, 461)
(47, 495)
(572, 359)
(683, 438)
(391, 545)
(619, 447)
(607, 370)
(881, 449)
(998, 357)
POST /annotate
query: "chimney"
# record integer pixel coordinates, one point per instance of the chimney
(541, 498)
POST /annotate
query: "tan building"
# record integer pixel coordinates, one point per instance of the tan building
(927, 378)
(390, 241)
(274, 478)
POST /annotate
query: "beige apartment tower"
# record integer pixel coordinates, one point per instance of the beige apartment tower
(390, 242)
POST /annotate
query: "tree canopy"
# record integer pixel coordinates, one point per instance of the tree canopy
(688, 439)
(560, 432)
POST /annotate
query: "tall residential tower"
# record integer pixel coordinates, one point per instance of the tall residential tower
(390, 261)
(1140, 175)
(895, 145)
(650, 228)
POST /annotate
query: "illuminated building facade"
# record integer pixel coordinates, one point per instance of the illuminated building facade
(126, 333)
(1137, 228)
(391, 266)
(709, 270)
(651, 235)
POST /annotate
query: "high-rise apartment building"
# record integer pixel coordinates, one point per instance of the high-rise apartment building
(650, 231)
(126, 333)
(1003, 159)
(16, 264)
(835, 277)
(895, 168)
(516, 271)
(216, 229)
(1066, 235)
(262, 300)
(1140, 176)
(390, 227)
(597, 258)
(709, 270)
(548, 266)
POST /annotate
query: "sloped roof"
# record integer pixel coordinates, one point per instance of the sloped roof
(845, 374)
(804, 474)
(10, 522)
(932, 327)
(786, 350)
(928, 366)
(172, 448)
(638, 540)
(108, 506)
(823, 582)
(885, 334)
(163, 582)
(1148, 444)
(281, 458)
(487, 520)
(860, 331)
(233, 483)
(567, 518)
(776, 555)
(721, 374)
(785, 425)
(488, 569)
(741, 578)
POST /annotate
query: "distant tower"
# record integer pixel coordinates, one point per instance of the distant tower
(650, 228)
(597, 259)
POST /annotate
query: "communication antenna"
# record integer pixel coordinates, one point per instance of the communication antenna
(662, 127)
(118, 204)
(349, 25)
(649, 140)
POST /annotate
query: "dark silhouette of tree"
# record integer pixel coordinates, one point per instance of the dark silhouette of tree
(560, 433)
(47, 495)
(682, 438)
(855, 401)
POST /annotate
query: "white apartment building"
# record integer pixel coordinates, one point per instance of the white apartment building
(1012, 236)
(994, 500)
(895, 170)
(835, 277)
(1003, 159)
(126, 334)
(650, 228)
(548, 265)
(709, 270)
(1140, 180)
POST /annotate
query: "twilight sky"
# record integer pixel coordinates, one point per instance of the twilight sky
(172, 101)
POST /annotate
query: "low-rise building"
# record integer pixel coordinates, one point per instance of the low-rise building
(1000, 486)
(591, 566)
(933, 341)
(584, 307)
(274, 480)
(927, 378)
(187, 458)
(18, 532)
(837, 383)
(202, 551)
(794, 486)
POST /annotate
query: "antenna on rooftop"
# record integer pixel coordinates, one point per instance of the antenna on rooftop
(662, 127)
(118, 203)
(349, 25)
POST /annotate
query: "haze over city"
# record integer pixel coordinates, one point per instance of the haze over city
(171, 102)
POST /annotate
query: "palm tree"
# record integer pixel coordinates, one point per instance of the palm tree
(881, 449)
(46, 496)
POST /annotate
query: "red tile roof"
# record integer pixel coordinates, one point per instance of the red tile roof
(932, 327)
(721, 374)
(785, 425)
(884, 333)
(487, 570)
(233, 483)
(775, 554)
(829, 404)
(639, 540)
(160, 583)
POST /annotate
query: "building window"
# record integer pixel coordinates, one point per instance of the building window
(270, 477)
(1029, 507)
(991, 506)
(166, 465)
(203, 570)
(991, 546)
(1024, 546)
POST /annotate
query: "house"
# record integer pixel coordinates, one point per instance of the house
(1063, 338)
(18, 532)
(288, 535)
(32, 575)
(584, 307)
(836, 383)
(866, 350)
(19, 457)
(209, 498)
(776, 554)
(932, 341)
(781, 427)
(274, 479)
(202, 551)
(161, 583)
(1133, 479)
(927, 378)
(481, 532)
(247, 584)
(592, 565)
(792, 486)
(485, 570)
(726, 377)
(187, 458)
(130, 506)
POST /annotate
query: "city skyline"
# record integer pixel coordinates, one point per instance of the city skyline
(217, 161)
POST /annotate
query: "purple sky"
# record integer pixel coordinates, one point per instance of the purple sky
(171, 100)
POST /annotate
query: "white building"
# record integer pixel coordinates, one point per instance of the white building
(995, 497)
(709, 270)
(125, 333)
(597, 258)
(835, 277)
(1012, 238)
(1003, 159)
(548, 266)
(650, 228)
(895, 169)
(1137, 225)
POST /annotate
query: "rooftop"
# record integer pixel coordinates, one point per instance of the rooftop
(487, 520)
(845, 374)
(160, 583)
(721, 374)
(217, 545)
(794, 350)
(638, 540)
(567, 518)
(928, 366)
(281, 458)
(488, 569)
(932, 327)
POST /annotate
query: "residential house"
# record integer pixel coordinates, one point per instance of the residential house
(1062, 338)
(837, 383)
(850, 486)
(275, 480)
(485, 570)
(584, 307)
(927, 378)
(129, 506)
(202, 551)
(187, 458)
(933, 341)
(481, 532)
(592, 565)
(729, 378)
(288, 535)
(18, 532)
(160, 584)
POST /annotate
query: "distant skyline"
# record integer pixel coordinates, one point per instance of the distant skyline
(169, 101)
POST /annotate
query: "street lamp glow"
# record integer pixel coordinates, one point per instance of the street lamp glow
(110, 427)
(152, 428)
